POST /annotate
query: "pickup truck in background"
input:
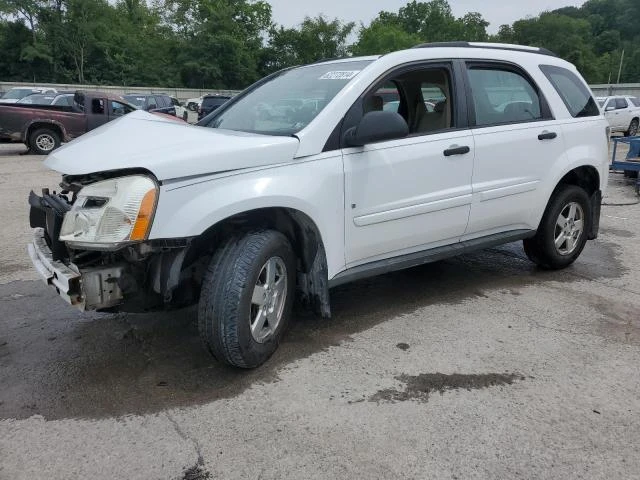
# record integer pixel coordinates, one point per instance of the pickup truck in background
(622, 113)
(42, 128)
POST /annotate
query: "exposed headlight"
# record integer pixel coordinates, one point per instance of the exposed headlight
(110, 213)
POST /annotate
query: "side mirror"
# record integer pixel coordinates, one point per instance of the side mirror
(376, 126)
(153, 106)
(610, 109)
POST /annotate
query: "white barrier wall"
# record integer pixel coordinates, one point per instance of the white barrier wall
(632, 89)
(180, 93)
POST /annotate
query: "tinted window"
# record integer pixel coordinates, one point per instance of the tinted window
(97, 106)
(139, 101)
(635, 101)
(621, 103)
(503, 96)
(574, 93)
(175, 102)
(208, 102)
(37, 99)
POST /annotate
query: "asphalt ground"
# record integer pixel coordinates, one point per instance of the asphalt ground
(482, 366)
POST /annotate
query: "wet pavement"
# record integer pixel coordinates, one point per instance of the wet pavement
(481, 366)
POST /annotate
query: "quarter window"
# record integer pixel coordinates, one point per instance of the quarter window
(574, 93)
(503, 96)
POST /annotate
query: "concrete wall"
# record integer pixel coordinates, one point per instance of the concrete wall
(632, 89)
(179, 93)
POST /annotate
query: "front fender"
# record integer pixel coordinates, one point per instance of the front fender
(313, 187)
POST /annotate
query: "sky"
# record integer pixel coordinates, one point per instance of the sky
(497, 12)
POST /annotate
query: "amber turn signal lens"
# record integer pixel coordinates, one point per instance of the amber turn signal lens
(143, 221)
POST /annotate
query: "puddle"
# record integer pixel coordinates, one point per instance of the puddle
(419, 387)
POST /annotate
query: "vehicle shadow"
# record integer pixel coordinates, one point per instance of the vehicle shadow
(58, 363)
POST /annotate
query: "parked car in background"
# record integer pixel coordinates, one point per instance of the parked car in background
(193, 104)
(181, 110)
(156, 102)
(16, 93)
(47, 99)
(303, 195)
(210, 103)
(622, 113)
(43, 128)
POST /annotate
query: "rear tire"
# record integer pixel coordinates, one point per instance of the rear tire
(246, 299)
(44, 141)
(633, 128)
(563, 231)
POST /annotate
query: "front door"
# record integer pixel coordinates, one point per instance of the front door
(414, 193)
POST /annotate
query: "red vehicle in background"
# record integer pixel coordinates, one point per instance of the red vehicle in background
(42, 128)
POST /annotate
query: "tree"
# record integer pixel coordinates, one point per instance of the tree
(316, 39)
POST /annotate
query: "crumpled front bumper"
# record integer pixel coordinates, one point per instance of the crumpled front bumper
(89, 289)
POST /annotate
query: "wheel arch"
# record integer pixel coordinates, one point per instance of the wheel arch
(586, 177)
(50, 124)
(301, 231)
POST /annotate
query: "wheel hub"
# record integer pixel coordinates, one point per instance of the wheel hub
(268, 299)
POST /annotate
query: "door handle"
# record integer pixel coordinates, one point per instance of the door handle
(454, 150)
(547, 136)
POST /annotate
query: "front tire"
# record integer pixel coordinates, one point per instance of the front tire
(246, 299)
(44, 141)
(563, 231)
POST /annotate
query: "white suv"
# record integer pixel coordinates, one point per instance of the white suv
(277, 196)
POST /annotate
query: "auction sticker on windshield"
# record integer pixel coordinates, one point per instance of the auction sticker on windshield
(340, 75)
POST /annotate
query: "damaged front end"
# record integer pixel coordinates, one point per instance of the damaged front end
(128, 274)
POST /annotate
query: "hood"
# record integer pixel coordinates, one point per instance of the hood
(8, 100)
(168, 149)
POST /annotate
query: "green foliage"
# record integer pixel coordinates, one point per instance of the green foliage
(232, 43)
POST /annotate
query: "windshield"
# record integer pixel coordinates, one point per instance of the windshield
(288, 102)
(17, 93)
(138, 101)
(37, 99)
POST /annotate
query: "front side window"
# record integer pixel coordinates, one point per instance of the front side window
(635, 101)
(118, 109)
(574, 93)
(288, 101)
(621, 103)
(503, 96)
(422, 96)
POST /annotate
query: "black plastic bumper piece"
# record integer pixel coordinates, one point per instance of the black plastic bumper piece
(47, 212)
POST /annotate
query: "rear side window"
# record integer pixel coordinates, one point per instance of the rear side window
(575, 95)
(635, 101)
(621, 103)
(503, 96)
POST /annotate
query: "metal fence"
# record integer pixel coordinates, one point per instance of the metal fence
(180, 93)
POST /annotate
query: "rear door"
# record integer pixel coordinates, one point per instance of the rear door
(517, 141)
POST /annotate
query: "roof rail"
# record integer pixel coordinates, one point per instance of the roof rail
(495, 46)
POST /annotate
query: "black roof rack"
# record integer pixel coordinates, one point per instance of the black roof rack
(494, 46)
